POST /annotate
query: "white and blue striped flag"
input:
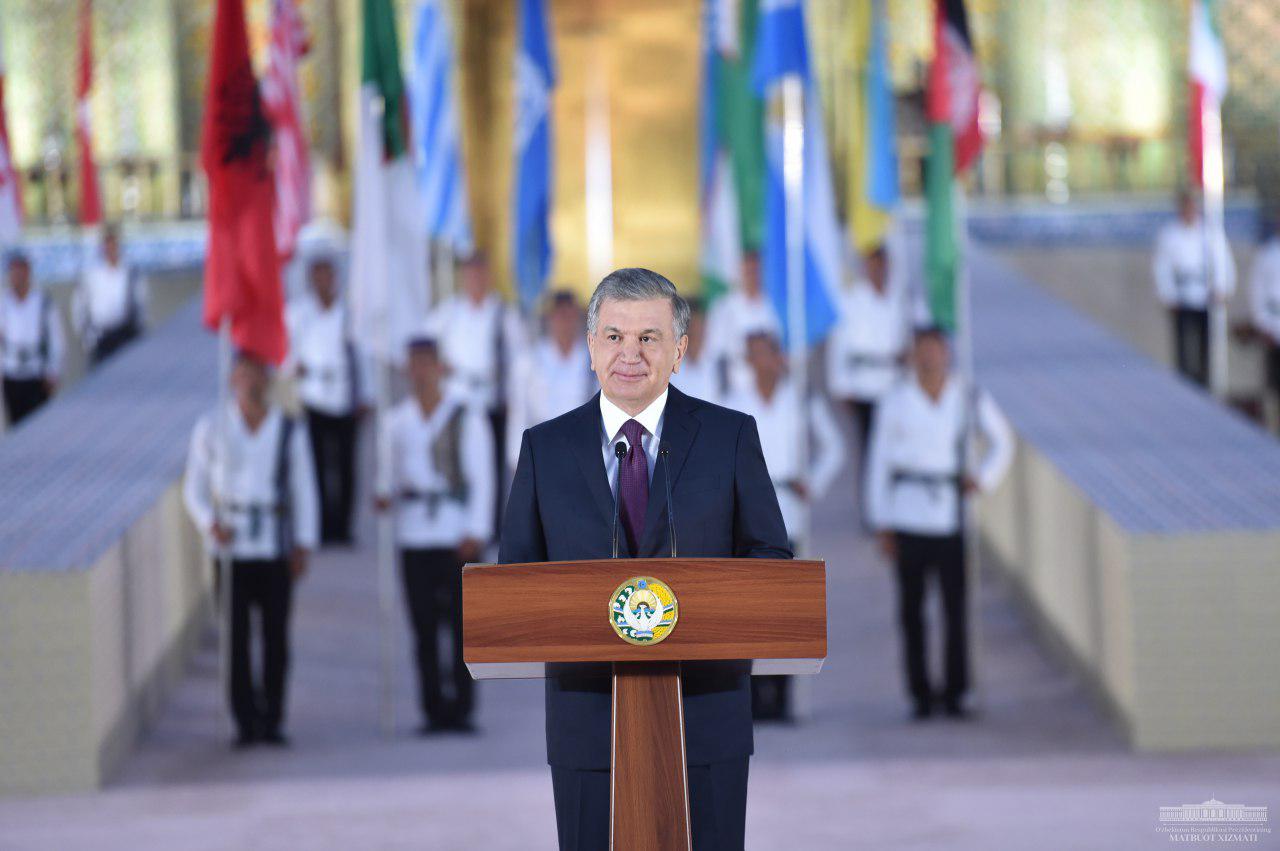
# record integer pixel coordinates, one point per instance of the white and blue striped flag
(782, 51)
(534, 79)
(436, 138)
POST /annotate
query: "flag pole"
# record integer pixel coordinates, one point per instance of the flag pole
(223, 578)
(1213, 226)
(793, 188)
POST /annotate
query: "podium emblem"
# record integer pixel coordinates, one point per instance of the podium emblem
(643, 610)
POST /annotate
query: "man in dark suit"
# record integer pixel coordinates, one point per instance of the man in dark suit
(561, 508)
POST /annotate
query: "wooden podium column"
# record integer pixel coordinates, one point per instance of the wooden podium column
(649, 789)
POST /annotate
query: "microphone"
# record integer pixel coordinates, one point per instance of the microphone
(666, 481)
(619, 452)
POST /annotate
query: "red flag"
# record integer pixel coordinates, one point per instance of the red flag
(242, 269)
(283, 102)
(90, 200)
(951, 94)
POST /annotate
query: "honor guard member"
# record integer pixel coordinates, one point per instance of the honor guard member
(250, 488)
(110, 302)
(1264, 300)
(1184, 278)
(554, 375)
(440, 485)
(332, 381)
(783, 422)
(732, 319)
(699, 375)
(30, 340)
(868, 346)
(479, 335)
(916, 485)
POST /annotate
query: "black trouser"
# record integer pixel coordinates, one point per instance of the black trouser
(717, 806)
(863, 413)
(1191, 343)
(1273, 367)
(498, 422)
(333, 446)
(942, 555)
(22, 396)
(112, 340)
(433, 593)
(267, 585)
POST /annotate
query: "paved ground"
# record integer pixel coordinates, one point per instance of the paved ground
(1040, 766)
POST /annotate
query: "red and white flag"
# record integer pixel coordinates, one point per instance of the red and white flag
(283, 102)
(242, 269)
(10, 189)
(90, 199)
(1207, 68)
(955, 81)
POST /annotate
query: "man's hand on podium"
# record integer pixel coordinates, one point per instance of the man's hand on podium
(469, 549)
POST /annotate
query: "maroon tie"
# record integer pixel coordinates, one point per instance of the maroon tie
(633, 484)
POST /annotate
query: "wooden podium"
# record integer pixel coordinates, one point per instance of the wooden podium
(768, 616)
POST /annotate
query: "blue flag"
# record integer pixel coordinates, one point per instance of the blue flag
(436, 136)
(882, 150)
(535, 77)
(780, 52)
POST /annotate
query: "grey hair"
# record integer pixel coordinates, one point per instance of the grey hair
(638, 285)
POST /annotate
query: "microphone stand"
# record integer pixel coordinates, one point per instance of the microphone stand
(666, 482)
(619, 452)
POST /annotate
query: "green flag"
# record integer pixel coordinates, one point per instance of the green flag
(380, 74)
(941, 251)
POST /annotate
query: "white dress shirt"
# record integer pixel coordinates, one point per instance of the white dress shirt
(319, 348)
(1181, 265)
(782, 424)
(699, 378)
(1264, 290)
(425, 517)
(866, 346)
(612, 419)
(30, 336)
(231, 475)
(468, 335)
(107, 299)
(732, 319)
(546, 382)
(914, 457)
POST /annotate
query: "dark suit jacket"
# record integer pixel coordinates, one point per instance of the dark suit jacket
(561, 509)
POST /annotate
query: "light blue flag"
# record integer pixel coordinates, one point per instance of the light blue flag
(535, 77)
(882, 152)
(782, 51)
(437, 150)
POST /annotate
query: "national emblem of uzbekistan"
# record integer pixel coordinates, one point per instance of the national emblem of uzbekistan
(643, 610)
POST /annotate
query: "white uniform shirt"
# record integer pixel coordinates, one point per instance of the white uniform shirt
(1264, 289)
(781, 424)
(612, 419)
(865, 348)
(424, 516)
(915, 438)
(699, 379)
(318, 347)
(732, 319)
(468, 335)
(1181, 267)
(232, 471)
(30, 336)
(106, 300)
(546, 382)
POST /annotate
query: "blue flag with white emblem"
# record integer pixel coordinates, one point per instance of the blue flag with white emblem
(782, 51)
(436, 137)
(535, 77)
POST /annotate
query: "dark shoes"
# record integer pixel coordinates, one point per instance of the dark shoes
(453, 725)
(951, 707)
(251, 738)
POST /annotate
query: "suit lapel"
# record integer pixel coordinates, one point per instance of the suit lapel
(585, 444)
(679, 427)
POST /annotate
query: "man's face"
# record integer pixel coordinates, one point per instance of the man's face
(697, 333)
(765, 358)
(751, 275)
(1187, 210)
(20, 277)
(249, 382)
(564, 323)
(475, 279)
(931, 356)
(111, 249)
(425, 369)
(634, 350)
(877, 269)
(323, 283)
